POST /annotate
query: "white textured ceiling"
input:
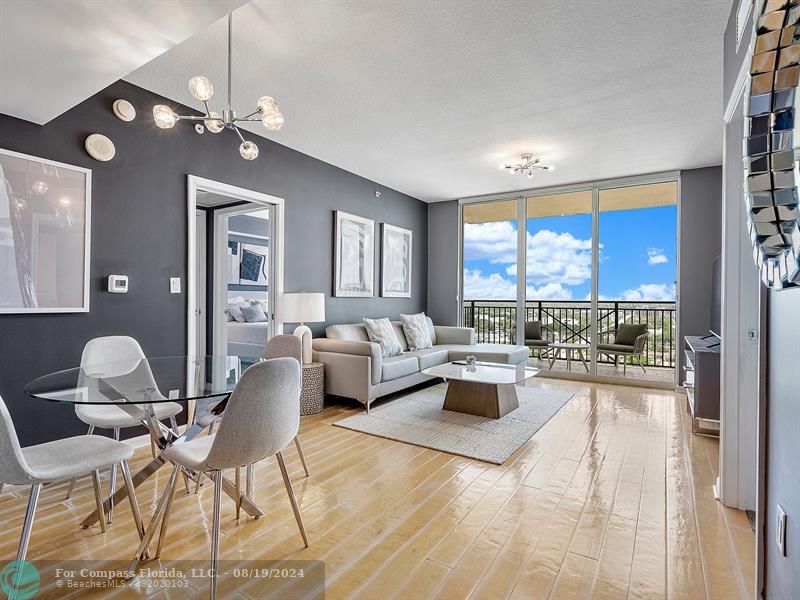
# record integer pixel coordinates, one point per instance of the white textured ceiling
(429, 97)
(56, 53)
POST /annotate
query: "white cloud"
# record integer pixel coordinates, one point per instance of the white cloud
(656, 256)
(552, 257)
(659, 292)
(494, 286)
(549, 291)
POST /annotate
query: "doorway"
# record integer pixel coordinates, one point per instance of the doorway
(235, 269)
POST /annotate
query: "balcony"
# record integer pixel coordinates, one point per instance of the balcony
(570, 321)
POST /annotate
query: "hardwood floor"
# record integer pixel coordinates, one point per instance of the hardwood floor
(611, 499)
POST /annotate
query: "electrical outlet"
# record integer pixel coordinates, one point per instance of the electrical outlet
(780, 530)
(174, 285)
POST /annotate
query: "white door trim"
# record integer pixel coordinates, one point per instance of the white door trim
(195, 183)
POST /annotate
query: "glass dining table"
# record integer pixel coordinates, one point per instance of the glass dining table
(135, 385)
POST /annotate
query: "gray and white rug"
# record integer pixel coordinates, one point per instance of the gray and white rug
(418, 418)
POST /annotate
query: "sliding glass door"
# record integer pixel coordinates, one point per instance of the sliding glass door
(558, 280)
(573, 273)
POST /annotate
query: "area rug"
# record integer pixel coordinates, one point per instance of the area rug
(417, 418)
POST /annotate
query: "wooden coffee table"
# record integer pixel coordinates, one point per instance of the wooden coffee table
(485, 390)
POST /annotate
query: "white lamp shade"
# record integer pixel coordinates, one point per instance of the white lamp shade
(304, 307)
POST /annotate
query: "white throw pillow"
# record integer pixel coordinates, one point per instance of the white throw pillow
(415, 327)
(381, 332)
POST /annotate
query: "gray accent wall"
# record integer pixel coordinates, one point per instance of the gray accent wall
(443, 264)
(139, 229)
(700, 244)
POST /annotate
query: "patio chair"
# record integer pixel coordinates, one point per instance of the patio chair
(534, 337)
(629, 340)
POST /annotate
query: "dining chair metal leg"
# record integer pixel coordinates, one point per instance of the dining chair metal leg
(300, 452)
(217, 476)
(112, 487)
(27, 525)
(72, 481)
(238, 482)
(165, 519)
(137, 514)
(248, 481)
(292, 500)
(151, 529)
(98, 497)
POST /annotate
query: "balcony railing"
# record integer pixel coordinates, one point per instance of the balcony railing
(570, 321)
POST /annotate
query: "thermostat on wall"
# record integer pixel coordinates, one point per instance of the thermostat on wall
(118, 284)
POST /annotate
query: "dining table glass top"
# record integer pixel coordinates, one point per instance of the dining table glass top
(143, 380)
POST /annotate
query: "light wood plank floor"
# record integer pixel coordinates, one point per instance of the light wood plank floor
(611, 499)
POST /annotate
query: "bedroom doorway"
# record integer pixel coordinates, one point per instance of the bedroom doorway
(235, 266)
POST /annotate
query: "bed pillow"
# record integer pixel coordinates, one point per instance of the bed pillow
(415, 328)
(234, 311)
(254, 314)
(381, 332)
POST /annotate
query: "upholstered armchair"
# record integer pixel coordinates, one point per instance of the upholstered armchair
(629, 340)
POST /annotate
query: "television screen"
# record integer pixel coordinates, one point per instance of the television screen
(716, 298)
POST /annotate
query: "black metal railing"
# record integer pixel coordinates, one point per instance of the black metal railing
(570, 321)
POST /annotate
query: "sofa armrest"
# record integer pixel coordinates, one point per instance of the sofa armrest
(370, 350)
(454, 335)
(347, 375)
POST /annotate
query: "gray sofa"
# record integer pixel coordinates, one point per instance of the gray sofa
(355, 367)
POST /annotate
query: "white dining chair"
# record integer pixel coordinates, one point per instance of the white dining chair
(261, 418)
(109, 356)
(60, 460)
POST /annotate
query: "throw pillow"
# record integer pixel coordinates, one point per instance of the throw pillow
(381, 332)
(627, 333)
(235, 311)
(254, 314)
(415, 328)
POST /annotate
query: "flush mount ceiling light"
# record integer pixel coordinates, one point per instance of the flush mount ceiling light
(526, 166)
(202, 89)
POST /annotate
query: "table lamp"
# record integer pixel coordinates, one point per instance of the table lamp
(304, 307)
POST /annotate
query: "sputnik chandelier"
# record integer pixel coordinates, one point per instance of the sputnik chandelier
(201, 88)
(527, 166)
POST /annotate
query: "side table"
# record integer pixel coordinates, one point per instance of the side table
(312, 395)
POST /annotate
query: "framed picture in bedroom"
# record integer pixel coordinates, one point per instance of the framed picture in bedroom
(45, 225)
(354, 256)
(396, 255)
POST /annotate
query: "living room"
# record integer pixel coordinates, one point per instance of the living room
(488, 310)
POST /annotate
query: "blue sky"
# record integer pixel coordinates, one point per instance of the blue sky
(637, 257)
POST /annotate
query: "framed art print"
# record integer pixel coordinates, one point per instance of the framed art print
(354, 256)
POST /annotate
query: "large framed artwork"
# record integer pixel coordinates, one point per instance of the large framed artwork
(396, 262)
(354, 256)
(45, 225)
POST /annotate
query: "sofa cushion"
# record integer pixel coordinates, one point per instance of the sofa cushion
(354, 332)
(430, 357)
(395, 367)
(497, 353)
(627, 333)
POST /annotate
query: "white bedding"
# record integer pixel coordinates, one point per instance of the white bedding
(247, 333)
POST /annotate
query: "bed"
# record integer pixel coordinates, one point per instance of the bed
(246, 339)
